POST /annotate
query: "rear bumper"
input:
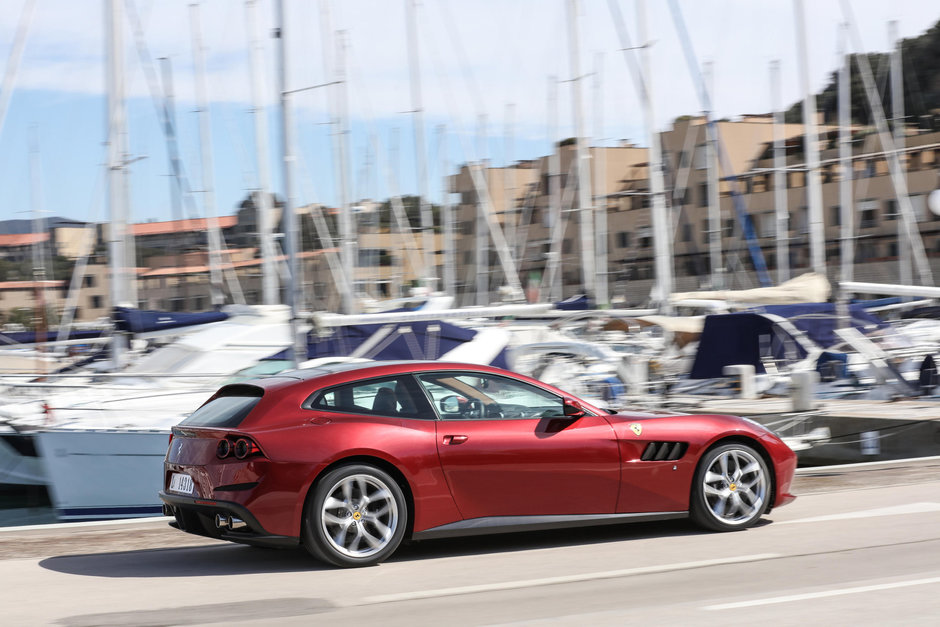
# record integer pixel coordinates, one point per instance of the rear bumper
(197, 516)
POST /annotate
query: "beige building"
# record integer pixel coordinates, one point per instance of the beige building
(624, 201)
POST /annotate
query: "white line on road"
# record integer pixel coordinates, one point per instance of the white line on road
(896, 510)
(824, 594)
(89, 523)
(549, 581)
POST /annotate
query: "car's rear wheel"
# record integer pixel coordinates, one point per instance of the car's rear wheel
(356, 516)
(731, 489)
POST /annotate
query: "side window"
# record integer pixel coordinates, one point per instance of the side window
(468, 396)
(394, 396)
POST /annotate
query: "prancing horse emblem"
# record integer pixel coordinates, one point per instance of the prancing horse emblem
(637, 428)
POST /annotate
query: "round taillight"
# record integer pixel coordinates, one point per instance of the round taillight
(223, 449)
(242, 448)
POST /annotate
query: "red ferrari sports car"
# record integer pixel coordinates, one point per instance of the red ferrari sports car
(350, 459)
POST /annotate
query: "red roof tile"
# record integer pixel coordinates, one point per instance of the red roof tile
(180, 226)
(23, 239)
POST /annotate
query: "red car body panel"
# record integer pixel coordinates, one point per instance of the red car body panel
(508, 467)
(547, 466)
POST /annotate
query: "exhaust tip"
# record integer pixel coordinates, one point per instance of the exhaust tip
(236, 523)
(221, 522)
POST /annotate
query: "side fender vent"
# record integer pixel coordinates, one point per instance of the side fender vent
(663, 451)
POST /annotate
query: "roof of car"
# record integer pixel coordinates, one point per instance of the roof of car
(335, 368)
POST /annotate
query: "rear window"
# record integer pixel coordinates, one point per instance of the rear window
(226, 411)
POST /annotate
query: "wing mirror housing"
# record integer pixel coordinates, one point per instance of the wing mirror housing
(573, 408)
(450, 404)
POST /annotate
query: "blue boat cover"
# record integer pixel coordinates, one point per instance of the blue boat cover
(818, 320)
(399, 341)
(30, 337)
(742, 338)
(574, 303)
(143, 320)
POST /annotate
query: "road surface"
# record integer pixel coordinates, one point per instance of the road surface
(860, 545)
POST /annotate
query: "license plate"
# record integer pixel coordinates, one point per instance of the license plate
(181, 483)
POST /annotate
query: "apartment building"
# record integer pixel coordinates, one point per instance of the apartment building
(623, 200)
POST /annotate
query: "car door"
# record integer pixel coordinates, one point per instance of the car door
(507, 449)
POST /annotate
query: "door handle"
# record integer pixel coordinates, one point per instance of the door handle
(455, 439)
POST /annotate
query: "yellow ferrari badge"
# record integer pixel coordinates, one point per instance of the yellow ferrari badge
(637, 428)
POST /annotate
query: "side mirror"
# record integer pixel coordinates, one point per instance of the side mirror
(573, 408)
(450, 404)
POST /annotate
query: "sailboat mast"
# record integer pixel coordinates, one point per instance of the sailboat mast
(482, 256)
(912, 236)
(447, 219)
(600, 187)
(347, 223)
(906, 271)
(817, 236)
(846, 209)
(662, 240)
(509, 175)
(263, 208)
(298, 349)
(714, 202)
(781, 214)
(553, 271)
(205, 139)
(172, 146)
(427, 219)
(117, 135)
(585, 207)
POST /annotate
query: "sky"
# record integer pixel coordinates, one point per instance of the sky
(487, 69)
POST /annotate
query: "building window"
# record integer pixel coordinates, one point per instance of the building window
(729, 227)
(686, 232)
(96, 302)
(891, 210)
(566, 247)
(623, 239)
(88, 281)
(835, 215)
(868, 213)
(767, 225)
(703, 194)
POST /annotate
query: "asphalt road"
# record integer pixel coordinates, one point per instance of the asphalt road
(860, 546)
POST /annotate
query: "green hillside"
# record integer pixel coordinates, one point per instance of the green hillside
(921, 70)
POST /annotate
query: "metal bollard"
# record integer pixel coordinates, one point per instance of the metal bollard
(745, 375)
(803, 390)
(635, 372)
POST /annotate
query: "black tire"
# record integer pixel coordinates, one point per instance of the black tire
(731, 489)
(356, 516)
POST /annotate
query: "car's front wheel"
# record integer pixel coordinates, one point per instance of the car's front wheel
(356, 516)
(731, 489)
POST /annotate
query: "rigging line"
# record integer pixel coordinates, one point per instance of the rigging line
(567, 200)
(454, 36)
(85, 247)
(398, 209)
(150, 75)
(507, 263)
(740, 208)
(16, 53)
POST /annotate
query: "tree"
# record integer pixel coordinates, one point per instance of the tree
(921, 74)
